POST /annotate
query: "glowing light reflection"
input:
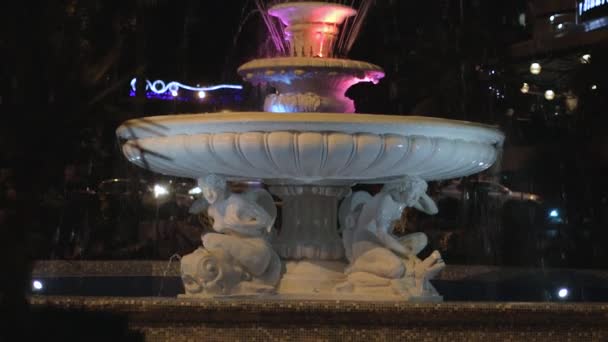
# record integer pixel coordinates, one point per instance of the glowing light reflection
(535, 68)
(195, 191)
(278, 108)
(160, 87)
(37, 285)
(160, 191)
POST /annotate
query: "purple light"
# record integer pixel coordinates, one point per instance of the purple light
(155, 96)
(159, 87)
(172, 94)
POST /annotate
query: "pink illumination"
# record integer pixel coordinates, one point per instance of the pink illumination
(372, 77)
(311, 27)
(321, 43)
(373, 80)
(311, 12)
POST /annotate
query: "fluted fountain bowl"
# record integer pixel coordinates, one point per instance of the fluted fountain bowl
(309, 148)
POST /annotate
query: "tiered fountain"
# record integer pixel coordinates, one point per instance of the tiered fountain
(310, 149)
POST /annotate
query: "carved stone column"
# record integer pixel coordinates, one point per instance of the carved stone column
(309, 228)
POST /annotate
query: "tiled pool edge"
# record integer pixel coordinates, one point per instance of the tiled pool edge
(154, 268)
(177, 319)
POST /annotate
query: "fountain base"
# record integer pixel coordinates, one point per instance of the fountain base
(308, 257)
(311, 278)
(321, 280)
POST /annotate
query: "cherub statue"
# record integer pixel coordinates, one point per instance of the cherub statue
(378, 259)
(248, 214)
(244, 260)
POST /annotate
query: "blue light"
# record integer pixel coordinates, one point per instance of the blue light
(278, 108)
(588, 5)
(159, 87)
(563, 292)
(170, 91)
(554, 213)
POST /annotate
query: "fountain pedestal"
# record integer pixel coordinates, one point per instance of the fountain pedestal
(309, 228)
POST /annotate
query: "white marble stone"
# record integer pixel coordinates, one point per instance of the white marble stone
(380, 262)
(238, 259)
(310, 148)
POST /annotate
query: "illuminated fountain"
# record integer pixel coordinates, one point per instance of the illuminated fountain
(310, 150)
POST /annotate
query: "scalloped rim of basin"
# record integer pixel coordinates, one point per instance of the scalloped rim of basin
(238, 122)
(308, 62)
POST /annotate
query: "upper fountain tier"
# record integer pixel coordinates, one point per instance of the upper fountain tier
(316, 144)
(309, 79)
(311, 28)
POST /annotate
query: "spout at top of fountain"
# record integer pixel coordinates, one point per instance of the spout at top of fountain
(311, 12)
(311, 28)
(311, 73)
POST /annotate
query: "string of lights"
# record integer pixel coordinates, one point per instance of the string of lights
(160, 87)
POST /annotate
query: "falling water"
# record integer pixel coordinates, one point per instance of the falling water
(496, 168)
(352, 27)
(489, 215)
(274, 29)
(244, 19)
(162, 279)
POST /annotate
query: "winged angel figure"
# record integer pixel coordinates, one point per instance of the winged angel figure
(237, 258)
(379, 259)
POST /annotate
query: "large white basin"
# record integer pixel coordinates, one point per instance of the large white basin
(319, 148)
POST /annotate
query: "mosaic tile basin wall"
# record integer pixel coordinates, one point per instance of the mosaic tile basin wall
(275, 319)
(172, 319)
